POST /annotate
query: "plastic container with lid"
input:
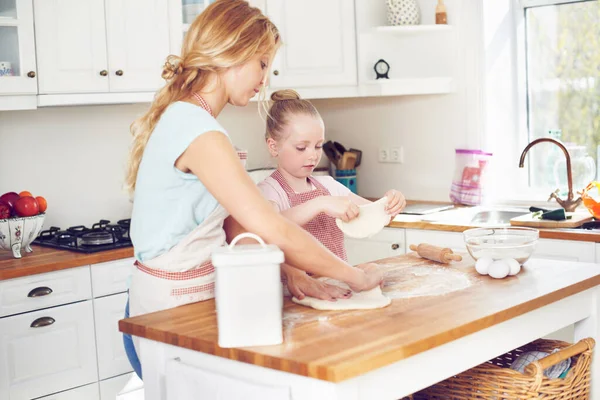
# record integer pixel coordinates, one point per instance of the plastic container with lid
(248, 293)
(469, 183)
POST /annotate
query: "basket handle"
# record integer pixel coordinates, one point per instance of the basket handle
(246, 235)
(538, 367)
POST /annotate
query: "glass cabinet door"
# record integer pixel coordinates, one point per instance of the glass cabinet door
(17, 50)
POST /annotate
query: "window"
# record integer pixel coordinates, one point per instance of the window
(563, 90)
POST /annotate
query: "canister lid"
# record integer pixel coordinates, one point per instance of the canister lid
(246, 254)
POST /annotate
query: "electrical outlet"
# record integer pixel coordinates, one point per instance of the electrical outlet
(397, 155)
(384, 155)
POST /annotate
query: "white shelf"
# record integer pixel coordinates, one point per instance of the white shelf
(408, 86)
(47, 100)
(7, 21)
(412, 29)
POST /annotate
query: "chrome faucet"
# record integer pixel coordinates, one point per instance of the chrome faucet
(569, 204)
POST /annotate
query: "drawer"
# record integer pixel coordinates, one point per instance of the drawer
(111, 277)
(112, 360)
(110, 388)
(35, 292)
(56, 355)
(88, 392)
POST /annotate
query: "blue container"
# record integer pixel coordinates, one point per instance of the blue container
(346, 177)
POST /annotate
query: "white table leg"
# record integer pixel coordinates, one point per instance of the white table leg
(590, 327)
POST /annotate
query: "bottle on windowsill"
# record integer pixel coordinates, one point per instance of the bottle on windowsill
(441, 17)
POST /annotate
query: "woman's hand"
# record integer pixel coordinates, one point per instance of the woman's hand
(396, 202)
(341, 207)
(301, 285)
(370, 275)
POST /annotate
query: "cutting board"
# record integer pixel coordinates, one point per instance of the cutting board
(577, 219)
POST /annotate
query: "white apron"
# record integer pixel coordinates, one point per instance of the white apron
(184, 274)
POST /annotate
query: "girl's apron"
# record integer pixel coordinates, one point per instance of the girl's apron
(323, 226)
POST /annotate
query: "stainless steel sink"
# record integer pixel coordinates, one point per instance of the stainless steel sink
(495, 217)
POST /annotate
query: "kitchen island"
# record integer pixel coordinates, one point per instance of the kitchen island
(371, 354)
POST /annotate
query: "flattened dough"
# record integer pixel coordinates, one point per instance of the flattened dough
(371, 219)
(370, 299)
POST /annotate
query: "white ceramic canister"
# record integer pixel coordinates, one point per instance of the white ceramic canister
(248, 293)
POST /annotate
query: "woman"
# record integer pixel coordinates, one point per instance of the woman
(187, 178)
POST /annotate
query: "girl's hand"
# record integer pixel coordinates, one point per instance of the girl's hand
(371, 276)
(396, 202)
(341, 207)
(301, 285)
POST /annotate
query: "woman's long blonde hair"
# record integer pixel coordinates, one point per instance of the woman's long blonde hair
(228, 33)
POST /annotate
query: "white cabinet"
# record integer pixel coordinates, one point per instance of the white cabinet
(568, 250)
(597, 252)
(100, 46)
(112, 360)
(47, 351)
(110, 388)
(17, 48)
(319, 43)
(71, 46)
(387, 243)
(453, 240)
(111, 277)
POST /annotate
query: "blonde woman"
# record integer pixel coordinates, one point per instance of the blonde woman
(187, 178)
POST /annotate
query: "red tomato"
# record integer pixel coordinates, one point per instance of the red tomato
(42, 203)
(27, 207)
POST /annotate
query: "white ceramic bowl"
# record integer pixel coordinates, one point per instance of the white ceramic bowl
(499, 243)
(18, 233)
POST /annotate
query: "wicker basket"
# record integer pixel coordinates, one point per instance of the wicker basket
(495, 380)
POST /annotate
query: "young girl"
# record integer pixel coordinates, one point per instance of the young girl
(295, 135)
(187, 178)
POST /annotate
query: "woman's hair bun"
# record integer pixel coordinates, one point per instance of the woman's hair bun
(285, 94)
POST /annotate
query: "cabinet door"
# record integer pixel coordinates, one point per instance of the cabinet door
(110, 388)
(71, 46)
(388, 243)
(138, 43)
(568, 250)
(17, 47)
(47, 351)
(112, 360)
(319, 43)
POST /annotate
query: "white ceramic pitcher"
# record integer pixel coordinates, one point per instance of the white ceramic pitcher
(403, 12)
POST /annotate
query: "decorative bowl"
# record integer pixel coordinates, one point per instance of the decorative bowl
(499, 243)
(18, 233)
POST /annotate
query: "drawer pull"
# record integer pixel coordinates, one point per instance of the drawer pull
(395, 246)
(41, 322)
(40, 291)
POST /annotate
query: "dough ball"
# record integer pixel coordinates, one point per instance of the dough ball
(513, 266)
(499, 269)
(483, 264)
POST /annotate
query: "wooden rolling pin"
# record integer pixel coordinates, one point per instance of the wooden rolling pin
(434, 253)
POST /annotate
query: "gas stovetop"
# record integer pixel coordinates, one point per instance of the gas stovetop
(101, 236)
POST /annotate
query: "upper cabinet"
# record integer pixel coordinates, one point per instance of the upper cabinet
(319, 43)
(98, 46)
(17, 50)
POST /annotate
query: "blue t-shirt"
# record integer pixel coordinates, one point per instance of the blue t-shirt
(168, 204)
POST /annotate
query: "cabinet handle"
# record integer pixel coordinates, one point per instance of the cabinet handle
(40, 291)
(103, 72)
(395, 246)
(41, 322)
(119, 72)
(31, 74)
(276, 72)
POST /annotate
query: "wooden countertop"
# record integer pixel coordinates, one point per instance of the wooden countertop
(45, 259)
(338, 345)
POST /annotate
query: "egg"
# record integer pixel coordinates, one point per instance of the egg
(482, 265)
(513, 265)
(499, 269)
